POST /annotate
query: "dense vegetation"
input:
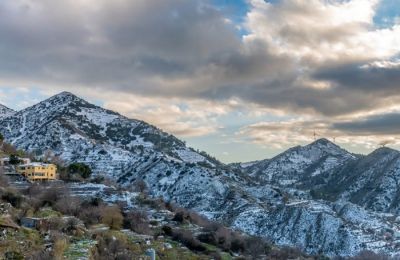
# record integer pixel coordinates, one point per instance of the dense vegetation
(80, 168)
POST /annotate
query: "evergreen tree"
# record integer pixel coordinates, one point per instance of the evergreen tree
(14, 159)
(80, 168)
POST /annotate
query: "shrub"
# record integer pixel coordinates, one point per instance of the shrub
(90, 215)
(14, 159)
(41, 255)
(68, 205)
(71, 225)
(180, 217)
(13, 255)
(52, 194)
(154, 222)
(80, 168)
(56, 224)
(112, 217)
(167, 230)
(13, 198)
(256, 246)
(9, 148)
(183, 215)
(155, 203)
(111, 247)
(238, 244)
(60, 245)
(187, 238)
(224, 238)
(207, 237)
(137, 221)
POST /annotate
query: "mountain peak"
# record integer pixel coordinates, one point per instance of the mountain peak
(64, 95)
(64, 98)
(55, 104)
(383, 151)
(322, 141)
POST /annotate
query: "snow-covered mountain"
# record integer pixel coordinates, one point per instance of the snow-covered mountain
(5, 111)
(331, 173)
(300, 163)
(255, 197)
(372, 181)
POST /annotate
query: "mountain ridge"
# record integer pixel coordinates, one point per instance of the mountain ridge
(300, 162)
(128, 150)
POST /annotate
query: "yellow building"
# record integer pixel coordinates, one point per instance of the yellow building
(38, 171)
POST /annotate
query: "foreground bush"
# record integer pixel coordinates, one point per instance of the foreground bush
(112, 247)
(137, 221)
(112, 217)
(185, 237)
(13, 198)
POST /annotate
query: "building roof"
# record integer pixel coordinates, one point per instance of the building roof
(36, 164)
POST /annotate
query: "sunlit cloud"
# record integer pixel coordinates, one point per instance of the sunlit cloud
(269, 78)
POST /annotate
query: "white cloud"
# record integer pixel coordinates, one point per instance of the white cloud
(321, 31)
(187, 118)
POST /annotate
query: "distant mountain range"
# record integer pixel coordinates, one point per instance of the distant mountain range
(319, 197)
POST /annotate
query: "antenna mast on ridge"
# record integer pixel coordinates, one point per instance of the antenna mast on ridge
(315, 135)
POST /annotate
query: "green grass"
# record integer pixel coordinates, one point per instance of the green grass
(24, 241)
(226, 256)
(47, 213)
(79, 249)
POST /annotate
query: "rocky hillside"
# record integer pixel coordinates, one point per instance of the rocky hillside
(260, 198)
(333, 174)
(300, 163)
(371, 181)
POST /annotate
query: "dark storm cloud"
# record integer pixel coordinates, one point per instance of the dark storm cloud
(363, 77)
(169, 48)
(385, 124)
(112, 43)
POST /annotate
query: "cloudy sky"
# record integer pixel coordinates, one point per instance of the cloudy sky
(241, 79)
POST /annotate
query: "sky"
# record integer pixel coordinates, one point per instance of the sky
(241, 79)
